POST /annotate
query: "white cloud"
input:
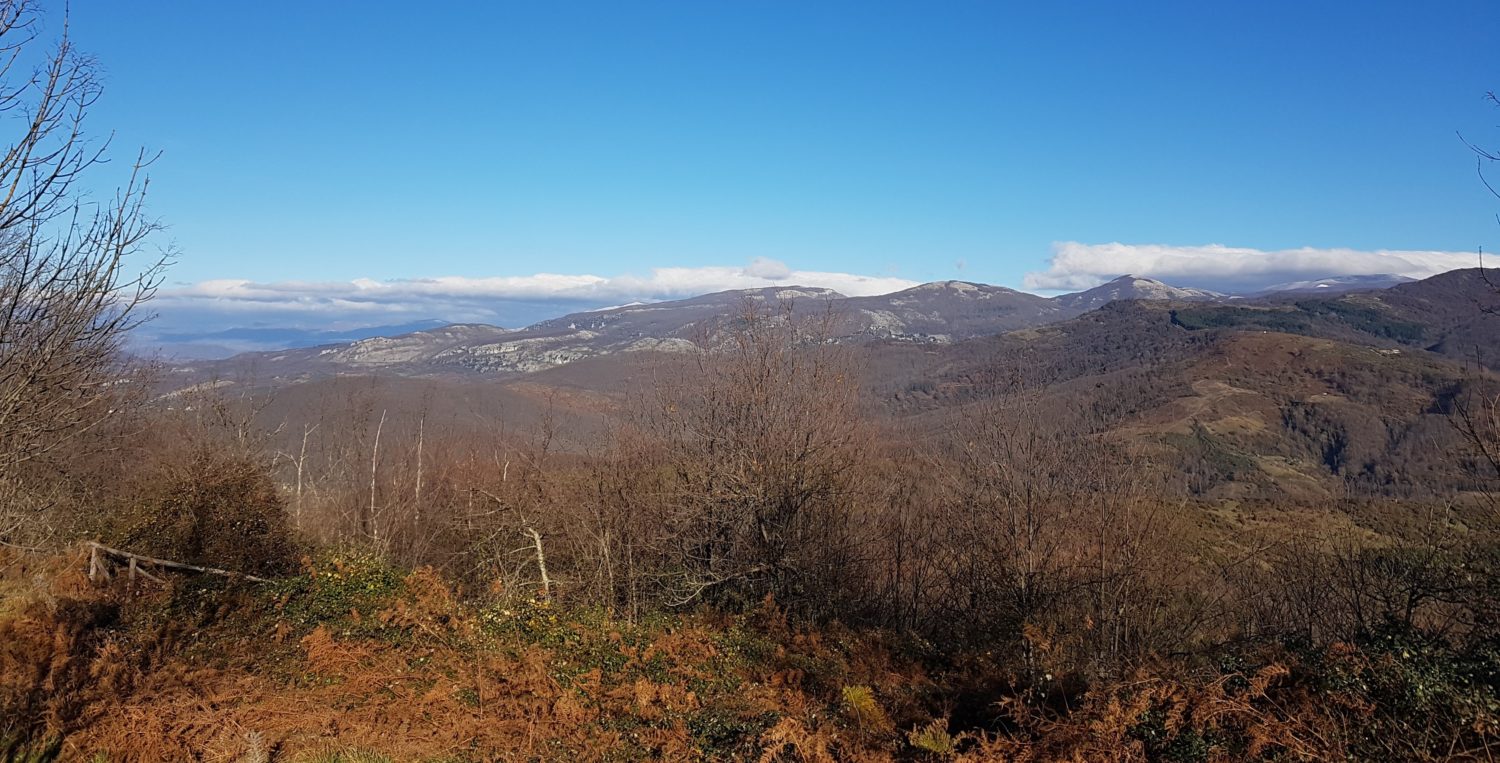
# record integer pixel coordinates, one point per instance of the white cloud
(506, 300)
(1214, 266)
(763, 267)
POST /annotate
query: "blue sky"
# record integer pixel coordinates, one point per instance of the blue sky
(329, 142)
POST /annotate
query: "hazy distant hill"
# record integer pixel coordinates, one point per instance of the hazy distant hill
(191, 345)
(408, 353)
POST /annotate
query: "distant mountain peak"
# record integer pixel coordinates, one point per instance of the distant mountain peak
(957, 289)
(1131, 286)
(790, 291)
(806, 292)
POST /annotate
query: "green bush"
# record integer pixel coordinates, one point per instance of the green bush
(340, 588)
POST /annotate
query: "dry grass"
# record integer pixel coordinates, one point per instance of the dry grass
(424, 678)
(414, 674)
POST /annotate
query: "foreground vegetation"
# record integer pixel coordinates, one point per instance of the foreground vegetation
(354, 660)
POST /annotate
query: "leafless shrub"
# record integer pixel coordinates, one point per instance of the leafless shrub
(764, 435)
(1055, 543)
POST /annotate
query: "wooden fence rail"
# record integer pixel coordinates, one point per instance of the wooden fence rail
(99, 555)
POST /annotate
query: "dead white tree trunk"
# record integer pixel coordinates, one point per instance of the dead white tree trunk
(373, 529)
(301, 464)
(417, 510)
(541, 562)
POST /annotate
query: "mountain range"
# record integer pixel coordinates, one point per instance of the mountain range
(942, 312)
(1299, 395)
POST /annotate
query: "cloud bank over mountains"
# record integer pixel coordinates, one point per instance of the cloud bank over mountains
(515, 301)
(1076, 266)
(504, 300)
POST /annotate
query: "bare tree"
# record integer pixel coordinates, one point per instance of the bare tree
(765, 435)
(1010, 521)
(70, 285)
(1478, 420)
